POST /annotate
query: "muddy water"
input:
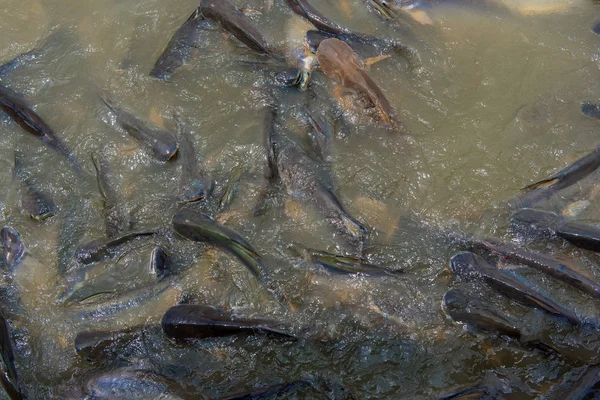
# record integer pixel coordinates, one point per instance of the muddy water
(492, 106)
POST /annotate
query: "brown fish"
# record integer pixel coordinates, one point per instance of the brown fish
(340, 63)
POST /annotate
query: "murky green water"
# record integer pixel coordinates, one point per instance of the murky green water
(494, 106)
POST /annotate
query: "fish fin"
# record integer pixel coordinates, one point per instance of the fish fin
(541, 184)
(373, 60)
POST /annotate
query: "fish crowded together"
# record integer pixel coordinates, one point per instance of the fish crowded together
(177, 296)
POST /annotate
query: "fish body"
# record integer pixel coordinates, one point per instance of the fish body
(340, 63)
(34, 203)
(471, 266)
(116, 218)
(236, 23)
(10, 379)
(195, 184)
(22, 113)
(98, 250)
(13, 246)
(159, 263)
(195, 321)
(162, 142)
(580, 234)
(180, 47)
(341, 264)
(541, 262)
(129, 384)
(104, 345)
(202, 228)
(270, 391)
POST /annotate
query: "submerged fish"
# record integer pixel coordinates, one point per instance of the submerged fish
(304, 177)
(131, 384)
(270, 391)
(582, 383)
(195, 321)
(471, 266)
(162, 142)
(341, 264)
(105, 345)
(13, 247)
(99, 249)
(195, 183)
(340, 63)
(180, 47)
(580, 234)
(159, 263)
(541, 262)
(562, 179)
(202, 228)
(11, 381)
(34, 203)
(231, 189)
(30, 121)
(116, 218)
(236, 23)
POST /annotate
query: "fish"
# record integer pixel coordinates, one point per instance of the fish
(582, 235)
(195, 183)
(131, 384)
(470, 266)
(236, 23)
(561, 180)
(270, 391)
(34, 203)
(13, 246)
(596, 27)
(105, 304)
(196, 321)
(304, 177)
(231, 189)
(467, 309)
(341, 264)
(320, 135)
(161, 141)
(10, 379)
(159, 263)
(100, 249)
(97, 345)
(341, 64)
(116, 218)
(201, 227)
(541, 262)
(22, 113)
(581, 383)
(306, 10)
(180, 48)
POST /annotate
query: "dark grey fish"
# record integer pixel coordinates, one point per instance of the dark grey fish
(341, 264)
(471, 266)
(107, 304)
(320, 134)
(195, 183)
(306, 10)
(162, 142)
(22, 113)
(13, 247)
(579, 384)
(304, 177)
(479, 392)
(159, 263)
(34, 203)
(180, 47)
(202, 228)
(12, 381)
(571, 174)
(580, 234)
(596, 28)
(130, 384)
(236, 23)
(231, 189)
(100, 249)
(195, 321)
(11, 391)
(105, 345)
(74, 223)
(116, 217)
(542, 262)
(270, 391)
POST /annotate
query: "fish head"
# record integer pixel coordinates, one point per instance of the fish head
(197, 190)
(12, 245)
(463, 265)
